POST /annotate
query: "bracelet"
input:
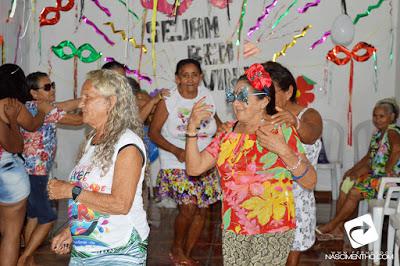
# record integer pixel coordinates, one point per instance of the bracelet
(298, 123)
(191, 135)
(291, 169)
(294, 177)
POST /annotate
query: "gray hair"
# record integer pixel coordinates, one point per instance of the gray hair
(124, 115)
(390, 105)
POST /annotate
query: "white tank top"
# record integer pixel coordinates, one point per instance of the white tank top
(174, 128)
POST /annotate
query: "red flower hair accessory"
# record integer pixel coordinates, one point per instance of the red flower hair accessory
(258, 77)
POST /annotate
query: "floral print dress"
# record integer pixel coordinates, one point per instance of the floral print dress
(379, 150)
(256, 186)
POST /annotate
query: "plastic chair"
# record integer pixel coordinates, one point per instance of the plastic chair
(333, 137)
(381, 206)
(393, 236)
(362, 137)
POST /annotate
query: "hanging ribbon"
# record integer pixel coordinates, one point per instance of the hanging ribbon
(242, 14)
(11, 12)
(153, 35)
(349, 56)
(50, 9)
(267, 11)
(228, 10)
(17, 46)
(176, 9)
(3, 52)
(321, 40)
(368, 11)
(98, 31)
(59, 52)
(102, 8)
(284, 14)
(307, 6)
(131, 40)
(292, 43)
(129, 10)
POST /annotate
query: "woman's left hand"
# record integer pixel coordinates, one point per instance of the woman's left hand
(271, 138)
(284, 117)
(59, 189)
(200, 111)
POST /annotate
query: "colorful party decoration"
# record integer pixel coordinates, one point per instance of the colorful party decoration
(220, 3)
(284, 14)
(307, 6)
(292, 43)
(11, 12)
(131, 40)
(342, 30)
(242, 14)
(321, 40)
(93, 54)
(304, 94)
(131, 71)
(3, 52)
(104, 9)
(98, 31)
(349, 56)
(129, 10)
(166, 8)
(44, 21)
(267, 11)
(368, 11)
(153, 35)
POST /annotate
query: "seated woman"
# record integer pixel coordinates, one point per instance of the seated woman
(107, 222)
(362, 180)
(258, 212)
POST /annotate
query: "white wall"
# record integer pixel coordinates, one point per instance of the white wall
(373, 29)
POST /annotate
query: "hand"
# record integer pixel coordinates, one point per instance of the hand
(200, 111)
(44, 107)
(284, 116)
(11, 109)
(62, 243)
(224, 127)
(59, 189)
(272, 139)
(180, 155)
(250, 49)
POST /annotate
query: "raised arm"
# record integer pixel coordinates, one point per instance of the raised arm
(197, 162)
(71, 120)
(69, 105)
(160, 116)
(127, 170)
(33, 123)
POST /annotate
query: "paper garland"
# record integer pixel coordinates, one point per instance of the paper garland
(292, 43)
(131, 40)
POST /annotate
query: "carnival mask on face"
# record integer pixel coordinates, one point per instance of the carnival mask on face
(242, 96)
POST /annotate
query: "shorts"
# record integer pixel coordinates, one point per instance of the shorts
(39, 205)
(14, 181)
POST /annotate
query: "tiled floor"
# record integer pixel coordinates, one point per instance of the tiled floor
(208, 248)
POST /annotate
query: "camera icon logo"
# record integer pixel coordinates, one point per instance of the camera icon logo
(361, 231)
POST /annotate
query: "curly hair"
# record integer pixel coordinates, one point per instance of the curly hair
(124, 115)
(391, 105)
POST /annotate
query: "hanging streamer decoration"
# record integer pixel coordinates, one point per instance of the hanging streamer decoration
(292, 43)
(349, 56)
(307, 6)
(367, 12)
(17, 46)
(131, 71)
(103, 8)
(3, 52)
(228, 10)
(129, 10)
(267, 11)
(242, 14)
(321, 40)
(176, 9)
(144, 18)
(50, 9)
(98, 31)
(153, 35)
(131, 40)
(284, 14)
(11, 12)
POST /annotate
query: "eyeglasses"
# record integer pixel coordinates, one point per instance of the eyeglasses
(242, 96)
(49, 86)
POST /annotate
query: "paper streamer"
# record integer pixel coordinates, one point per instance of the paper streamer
(267, 11)
(3, 52)
(349, 56)
(17, 46)
(284, 14)
(131, 71)
(98, 31)
(104, 9)
(375, 58)
(11, 13)
(292, 43)
(129, 10)
(123, 36)
(321, 40)
(242, 14)
(307, 6)
(368, 11)
(75, 77)
(153, 35)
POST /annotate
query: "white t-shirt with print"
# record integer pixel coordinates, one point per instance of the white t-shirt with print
(174, 128)
(94, 231)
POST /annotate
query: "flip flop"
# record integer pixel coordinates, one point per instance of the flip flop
(326, 236)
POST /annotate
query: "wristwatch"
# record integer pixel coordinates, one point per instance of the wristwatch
(75, 192)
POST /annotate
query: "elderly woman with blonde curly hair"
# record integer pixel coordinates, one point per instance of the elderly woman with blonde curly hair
(107, 222)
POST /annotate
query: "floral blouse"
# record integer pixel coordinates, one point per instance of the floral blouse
(40, 146)
(257, 187)
(380, 151)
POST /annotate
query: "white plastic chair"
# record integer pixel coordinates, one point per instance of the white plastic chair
(381, 206)
(333, 138)
(361, 139)
(393, 237)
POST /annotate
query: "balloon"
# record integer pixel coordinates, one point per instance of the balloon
(342, 30)
(93, 54)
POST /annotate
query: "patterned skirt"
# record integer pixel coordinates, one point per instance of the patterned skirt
(367, 185)
(201, 190)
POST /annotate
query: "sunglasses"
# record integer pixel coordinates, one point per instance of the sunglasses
(242, 96)
(49, 86)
